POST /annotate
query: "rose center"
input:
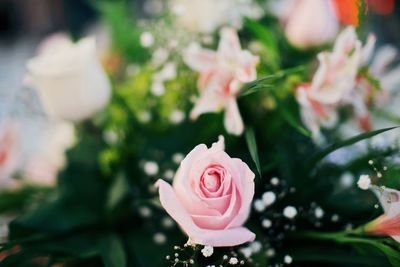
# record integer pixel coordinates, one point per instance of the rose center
(212, 180)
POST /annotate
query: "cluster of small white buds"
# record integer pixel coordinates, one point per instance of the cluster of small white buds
(207, 251)
(267, 199)
(233, 261)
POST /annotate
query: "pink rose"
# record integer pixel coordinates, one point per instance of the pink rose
(211, 197)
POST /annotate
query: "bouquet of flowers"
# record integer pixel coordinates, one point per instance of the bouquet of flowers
(206, 133)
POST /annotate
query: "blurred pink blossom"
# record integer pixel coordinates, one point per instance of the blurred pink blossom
(222, 73)
(336, 83)
(307, 22)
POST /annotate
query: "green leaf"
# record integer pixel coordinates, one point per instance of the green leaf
(124, 32)
(14, 200)
(392, 255)
(291, 120)
(113, 252)
(355, 139)
(118, 191)
(252, 145)
(261, 83)
(267, 38)
(362, 13)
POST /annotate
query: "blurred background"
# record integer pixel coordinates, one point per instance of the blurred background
(24, 22)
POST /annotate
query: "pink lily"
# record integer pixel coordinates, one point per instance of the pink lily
(388, 223)
(335, 83)
(222, 73)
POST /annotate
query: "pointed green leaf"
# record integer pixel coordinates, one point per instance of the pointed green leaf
(252, 145)
(291, 120)
(119, 189)
(355, 139)
(267, 82)
(113, 252)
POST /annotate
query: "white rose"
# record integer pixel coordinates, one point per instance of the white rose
(69, 78)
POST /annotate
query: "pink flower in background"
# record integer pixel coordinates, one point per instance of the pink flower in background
(9, 153)
(382, 67)
(33, 149)
(47, 156)
(388, 223)
(222, 73)
(69, 78)
(336, 83)
(211, 197)
(307, 22)
(204, 16)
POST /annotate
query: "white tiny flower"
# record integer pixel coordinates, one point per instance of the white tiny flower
(335, 218)
(246, 251)
(364, 182)
(145, 211)
(146, 39)
(167, 222)
(274, 181)
(259, 205)
(289, 212)
(255, 246)
(207, 251)
(233, 261)
(157, 88)
(268, 198)
(266, 223)
(177, 116)
(179, 10)
(110, 137)
(319, 212)
(177, 158)
(159, 238)
(270, 252)
(144, 116)
(150, 168)
(168, 72)
(160, 55)
(347, 179)
(169, 174)
(287, 259)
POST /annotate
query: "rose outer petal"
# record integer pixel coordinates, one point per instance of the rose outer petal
(246, 193)
(215, 238)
